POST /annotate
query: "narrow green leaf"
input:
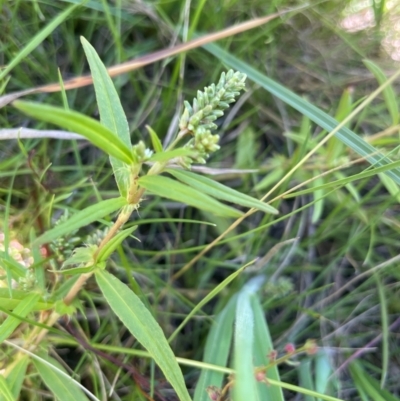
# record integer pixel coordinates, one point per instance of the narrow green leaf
(141, 323)
(17, 375)
(11, 302)
(171, 154)
(91, 129)
(348, 137)
(112, 245)
(37, 39)
(388, 93)
(5, 392)
(82, 218)
(112, 114)
(262, 348)
(25, 306)
(219, 191)
(323, 372)
(155, 140)
(54, 376)
(305, 378)
(216, 350)
(163, 186)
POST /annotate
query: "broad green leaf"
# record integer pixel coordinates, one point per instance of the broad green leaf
(16, 376)
(111, 112)
(245, 383)
(388, 93)
(54, 376)
(219, 191)
(37, 39)
(141, 323)
(8, 302)
(171, 154)
(5, 392)
(163, 186)
(155, 140)
(112, 245)
(25, 306)
(262, 348)
(91, 129)
(82, 218)
(348, 137)
(216, 350)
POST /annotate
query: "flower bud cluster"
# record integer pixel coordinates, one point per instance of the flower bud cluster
(140, 152)
(198, 118)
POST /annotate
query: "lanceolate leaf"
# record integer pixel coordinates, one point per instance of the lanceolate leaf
(91, 129)
(155, 140)
(141, 323)
(348, 137)
(25, 306)
(163, 186)
(17, 375)
(111, 112)
(11, 302)
(82, 218)
(58, 381)
(5, 391)
(218, 190)
(170, 154)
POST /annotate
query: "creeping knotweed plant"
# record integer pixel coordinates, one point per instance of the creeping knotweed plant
(198, 118)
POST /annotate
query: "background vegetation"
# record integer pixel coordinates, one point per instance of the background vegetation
(326, 267)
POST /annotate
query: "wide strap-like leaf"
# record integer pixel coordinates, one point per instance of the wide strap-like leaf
(218, 190)
(112, 114)
(82, 218)
(165, 187)
(91, 129)
(141, 323)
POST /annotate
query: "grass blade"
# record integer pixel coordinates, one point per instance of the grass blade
(8, 302)
(5, 391)
(219, 191)
(171, 189)
(17, 375)
(82, 218)
(112, 114)
(141, 323)
(37, 39)
(91, 129)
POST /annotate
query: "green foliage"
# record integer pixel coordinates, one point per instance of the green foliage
(176, 307)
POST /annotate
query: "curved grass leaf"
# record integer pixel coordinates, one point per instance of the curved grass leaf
(58, 381)
(155, 140)
(8, 302)
(348, 137)
(163, 186)
(219, 191)
(216, 350)
(141, 323)
(91, 129)
(24, 306)
(112, 114)
(82, 218)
